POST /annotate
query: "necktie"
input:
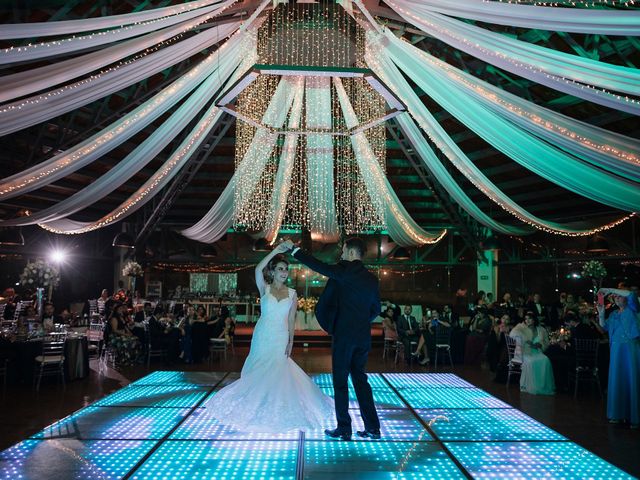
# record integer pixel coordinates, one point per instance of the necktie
(409, 321)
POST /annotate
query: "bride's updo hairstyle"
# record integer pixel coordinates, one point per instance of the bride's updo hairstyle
(270, 269)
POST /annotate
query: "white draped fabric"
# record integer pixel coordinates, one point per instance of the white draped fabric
(576, 20)
(176, 24)
(33, 110)
(171, 167)
(134, 162)
(323, 222)
(282, 186)
(386, 70)
(608, 150)
(401, 227)
(36, 79)
(151, 187)
(119, 131)
(45, 29)
(261, 147)
(244, 181)
(529, 151)
(578, 76)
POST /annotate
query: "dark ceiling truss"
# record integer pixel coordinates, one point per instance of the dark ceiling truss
(151, 218)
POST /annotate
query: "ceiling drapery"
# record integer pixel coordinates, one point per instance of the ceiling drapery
(587, 160)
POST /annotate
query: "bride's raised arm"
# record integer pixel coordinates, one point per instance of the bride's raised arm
(260, 283)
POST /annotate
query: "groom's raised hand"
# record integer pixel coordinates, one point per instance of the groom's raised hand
(289, 245)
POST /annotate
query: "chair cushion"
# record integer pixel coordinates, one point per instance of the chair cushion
(50, 359)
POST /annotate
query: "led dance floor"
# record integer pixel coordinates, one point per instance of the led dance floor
(433, 426)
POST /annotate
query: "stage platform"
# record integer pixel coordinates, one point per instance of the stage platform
(433, 426)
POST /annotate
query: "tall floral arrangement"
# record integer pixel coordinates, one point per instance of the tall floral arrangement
(40, 274)
(132, 269)
(307, 304)
(595, 270)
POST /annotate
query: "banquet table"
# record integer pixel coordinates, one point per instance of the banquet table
(22, 356)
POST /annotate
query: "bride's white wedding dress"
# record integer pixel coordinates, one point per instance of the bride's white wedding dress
(273, 394)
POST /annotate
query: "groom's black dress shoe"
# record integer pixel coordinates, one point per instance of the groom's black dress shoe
(374, 434)
(338, 434)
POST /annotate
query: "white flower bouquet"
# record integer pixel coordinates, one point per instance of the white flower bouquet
(132, 269)
(40, 274)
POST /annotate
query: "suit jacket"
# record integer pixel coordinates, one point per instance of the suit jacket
(350, 300)
(403, 325)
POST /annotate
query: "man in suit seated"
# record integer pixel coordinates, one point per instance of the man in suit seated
(408, 331)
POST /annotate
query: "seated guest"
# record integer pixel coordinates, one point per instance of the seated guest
(199, 336)
(216, 324)
(162, 334)
(49, 318)
(65, 317)
(537, 374)
(126, 346)
(496, 342)
(479, 329)
(229, 330)
(427, 334)
(563, 355)
(408, 331)
(138, 327)
(536, 306)
(450, 317)
(388, 325)
(187, 341)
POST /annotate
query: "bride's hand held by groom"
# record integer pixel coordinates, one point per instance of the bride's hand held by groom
(287, 246)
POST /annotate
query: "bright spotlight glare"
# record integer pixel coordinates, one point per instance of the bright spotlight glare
(58, 256)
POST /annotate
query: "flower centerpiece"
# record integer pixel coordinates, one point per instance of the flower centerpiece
(40, 274)
(132, 269)
(307, 304)
(595, 270)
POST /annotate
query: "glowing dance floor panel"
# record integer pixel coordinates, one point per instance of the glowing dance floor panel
(433, 426)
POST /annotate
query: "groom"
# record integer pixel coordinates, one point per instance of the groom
(345, 310)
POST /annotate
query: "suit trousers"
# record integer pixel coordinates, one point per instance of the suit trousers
(349, 359)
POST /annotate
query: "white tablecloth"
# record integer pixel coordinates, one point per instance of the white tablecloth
(307, 321)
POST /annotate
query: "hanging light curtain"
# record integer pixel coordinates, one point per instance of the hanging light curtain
(177, 23)
(401, 227)
(529, 151)
(47, 29)
(282, 185)
(261, 147)
(596, 21)
(36, 109)
(581, 77)
(323, 222)
(237, 194)
(119, 131)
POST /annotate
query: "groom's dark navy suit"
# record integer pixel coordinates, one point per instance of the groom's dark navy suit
(347, 306)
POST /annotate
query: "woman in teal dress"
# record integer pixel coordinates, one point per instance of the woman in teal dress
(623, 325)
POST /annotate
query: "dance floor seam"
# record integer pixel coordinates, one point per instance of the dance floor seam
(433, 426)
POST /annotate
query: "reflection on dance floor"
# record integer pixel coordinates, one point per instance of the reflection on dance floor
(433, 426)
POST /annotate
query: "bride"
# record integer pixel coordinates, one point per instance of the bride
(273, 393)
